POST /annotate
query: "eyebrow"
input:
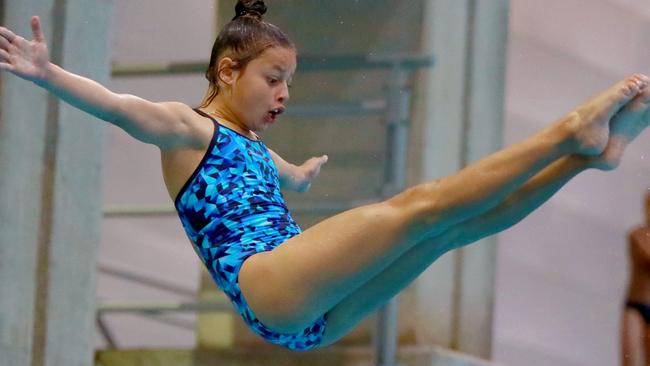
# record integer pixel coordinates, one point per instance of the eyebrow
(280, 68)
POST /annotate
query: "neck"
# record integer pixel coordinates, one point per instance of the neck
(220, 110)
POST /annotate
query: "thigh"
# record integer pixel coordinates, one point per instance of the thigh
(310, 273)
(387, 284)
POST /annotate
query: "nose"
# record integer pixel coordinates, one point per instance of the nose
(283, 95)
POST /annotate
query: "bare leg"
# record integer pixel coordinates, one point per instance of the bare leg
(624, 127)
(312, 272)
(345, 315)
(633, 334)
(644, 357)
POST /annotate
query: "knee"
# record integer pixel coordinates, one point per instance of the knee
(421, 201)
(425, 207)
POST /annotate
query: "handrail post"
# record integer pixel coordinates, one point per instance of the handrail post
(397, 124)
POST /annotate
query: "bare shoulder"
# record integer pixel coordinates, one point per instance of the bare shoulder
(640, 236)
(634, 232)
(639, 230)
(180, 159)
(180, 112)
(192, 131)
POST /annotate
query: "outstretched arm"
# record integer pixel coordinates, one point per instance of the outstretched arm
(297, 178)
(161, 124)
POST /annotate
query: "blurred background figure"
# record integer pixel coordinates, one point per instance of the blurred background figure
(636, 312)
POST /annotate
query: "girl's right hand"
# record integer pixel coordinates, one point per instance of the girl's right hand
(26, 59)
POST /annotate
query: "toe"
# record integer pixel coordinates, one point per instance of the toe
(641, 80)
(645, 97)
(641, 101)
(630, 88)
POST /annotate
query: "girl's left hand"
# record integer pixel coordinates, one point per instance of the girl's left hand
(307, 172)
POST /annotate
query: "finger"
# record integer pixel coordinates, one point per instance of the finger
(12, 48)
(4, 44)
(320, 160)
(36, 29)
(6, 66)
(4, 56)
(6, 33)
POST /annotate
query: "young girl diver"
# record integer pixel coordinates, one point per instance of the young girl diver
(304, 290)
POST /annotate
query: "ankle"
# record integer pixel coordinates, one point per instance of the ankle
(564, 133)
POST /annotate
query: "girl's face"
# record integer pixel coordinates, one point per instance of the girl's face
(260, 90)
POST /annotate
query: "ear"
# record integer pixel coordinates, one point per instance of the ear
(228, 71)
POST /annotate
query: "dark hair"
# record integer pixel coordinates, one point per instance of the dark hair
(244, 38)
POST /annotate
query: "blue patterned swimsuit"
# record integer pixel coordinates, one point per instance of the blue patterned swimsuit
(231, 208)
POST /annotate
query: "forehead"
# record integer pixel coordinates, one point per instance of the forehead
(281, 58)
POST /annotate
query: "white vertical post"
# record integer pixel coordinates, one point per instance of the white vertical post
(83, 28)
(22, 133)
(445, 34)
(50, 195)
(464, 112)
(484, 115)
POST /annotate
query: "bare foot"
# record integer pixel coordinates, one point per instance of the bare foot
(625, 127)
(591, 120)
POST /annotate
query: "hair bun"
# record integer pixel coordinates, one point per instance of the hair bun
(250, 8)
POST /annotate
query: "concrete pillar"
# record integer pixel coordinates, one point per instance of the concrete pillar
(22, 136)
(445, 36)
(485, 115)
(463, 114)
(50, 203)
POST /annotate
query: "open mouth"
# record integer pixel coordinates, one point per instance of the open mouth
(276, 112)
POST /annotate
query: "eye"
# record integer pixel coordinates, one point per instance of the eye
(272, 80)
